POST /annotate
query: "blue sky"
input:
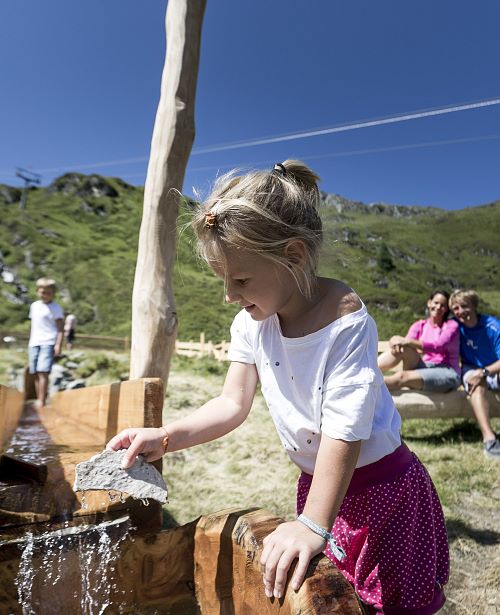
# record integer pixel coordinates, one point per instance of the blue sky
(81, 80)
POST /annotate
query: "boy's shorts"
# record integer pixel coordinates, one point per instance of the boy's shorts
(492, 382)
(41, 359)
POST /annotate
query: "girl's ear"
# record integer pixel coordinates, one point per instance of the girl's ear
(296, 253)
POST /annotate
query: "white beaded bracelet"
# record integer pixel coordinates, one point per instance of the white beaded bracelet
(337, 551)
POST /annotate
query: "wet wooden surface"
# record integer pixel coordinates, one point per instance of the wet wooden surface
(145, 574)
(209, 567)
(74, 427)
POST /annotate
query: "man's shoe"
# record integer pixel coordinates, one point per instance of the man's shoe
(492, 448)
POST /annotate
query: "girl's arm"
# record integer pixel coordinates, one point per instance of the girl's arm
(214, 419)
(335, 465)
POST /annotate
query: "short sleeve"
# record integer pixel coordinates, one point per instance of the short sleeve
(352, 383)
(241, 347)
(415, 331)
(58, 312)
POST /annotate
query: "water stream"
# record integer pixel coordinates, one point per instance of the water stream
(71, 566)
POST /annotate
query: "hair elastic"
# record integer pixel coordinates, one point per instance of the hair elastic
(210, 219)
(279, 169)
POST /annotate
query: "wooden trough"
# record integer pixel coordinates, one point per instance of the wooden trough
(59, 554)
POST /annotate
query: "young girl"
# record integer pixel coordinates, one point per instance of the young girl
(363, 498)
(429, 351)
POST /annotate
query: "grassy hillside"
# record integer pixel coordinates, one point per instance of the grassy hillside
(82, 230)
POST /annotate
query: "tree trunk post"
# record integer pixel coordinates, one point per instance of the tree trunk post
(154, 319)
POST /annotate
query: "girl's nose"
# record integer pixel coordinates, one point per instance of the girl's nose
(231, 296)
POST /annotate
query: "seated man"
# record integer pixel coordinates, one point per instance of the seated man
(480, 354)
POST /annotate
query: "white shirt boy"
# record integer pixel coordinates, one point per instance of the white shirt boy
(43, 323)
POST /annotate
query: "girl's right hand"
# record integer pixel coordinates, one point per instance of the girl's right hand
(146, 441)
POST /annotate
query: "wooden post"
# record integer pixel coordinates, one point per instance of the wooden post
(154, 318)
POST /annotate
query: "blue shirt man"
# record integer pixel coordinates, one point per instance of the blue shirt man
(480, 354)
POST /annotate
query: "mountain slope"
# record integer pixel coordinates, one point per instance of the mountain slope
(83, 231)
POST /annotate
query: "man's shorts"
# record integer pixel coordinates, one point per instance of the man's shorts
(41, 358)
(438, 378)
(492, 382)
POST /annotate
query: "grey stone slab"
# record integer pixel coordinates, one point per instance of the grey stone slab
(104, 472)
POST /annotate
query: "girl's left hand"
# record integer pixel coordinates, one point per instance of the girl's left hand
(288, 541)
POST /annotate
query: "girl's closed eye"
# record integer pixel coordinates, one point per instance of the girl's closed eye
(242, 282)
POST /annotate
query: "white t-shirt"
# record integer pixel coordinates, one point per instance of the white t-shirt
(327, 381)
(69, 323)
(43, 323)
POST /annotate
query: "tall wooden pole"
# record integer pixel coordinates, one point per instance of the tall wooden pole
(154, 319)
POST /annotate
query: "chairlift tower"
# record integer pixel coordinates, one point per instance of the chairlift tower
(30, 179)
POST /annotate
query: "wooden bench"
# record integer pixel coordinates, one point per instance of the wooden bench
(413, 404)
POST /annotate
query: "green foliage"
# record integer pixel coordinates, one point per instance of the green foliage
(113, 368)
(384, 260)
(392, 256)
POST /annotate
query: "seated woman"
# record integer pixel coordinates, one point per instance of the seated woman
(429, 351)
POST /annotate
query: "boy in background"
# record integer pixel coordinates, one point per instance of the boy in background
(46, 336)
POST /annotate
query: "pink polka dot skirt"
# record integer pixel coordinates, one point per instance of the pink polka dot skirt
(392, 529)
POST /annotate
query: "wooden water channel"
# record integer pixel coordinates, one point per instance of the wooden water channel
(52, 555)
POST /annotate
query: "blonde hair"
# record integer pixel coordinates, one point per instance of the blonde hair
(469, 297)
(261, 212)
(46, 283)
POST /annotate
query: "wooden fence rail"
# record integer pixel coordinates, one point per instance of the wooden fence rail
(189, 349)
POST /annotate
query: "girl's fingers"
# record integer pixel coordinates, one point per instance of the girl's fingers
(281, 572)
(136, 447)
(121, 440)
(300, 571)
(269, 561)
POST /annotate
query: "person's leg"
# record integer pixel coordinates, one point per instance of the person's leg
(411, 379)
(44, 366)
(387, 360)
(42, 388)
(390, 358)
(481, 408)
(411, 358)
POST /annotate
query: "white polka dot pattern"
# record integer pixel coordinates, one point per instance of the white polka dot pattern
(395, 539)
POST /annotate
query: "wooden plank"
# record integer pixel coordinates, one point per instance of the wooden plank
(12, 467)
(228, 578)
(11, 407)
(109, 408)
(74, 427)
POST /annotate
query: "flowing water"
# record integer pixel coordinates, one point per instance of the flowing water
(73, 566)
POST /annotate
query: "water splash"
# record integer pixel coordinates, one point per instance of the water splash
(25, 576)
(45, 568)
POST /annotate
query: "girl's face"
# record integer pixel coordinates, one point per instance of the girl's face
(256, 284)
(438, 307)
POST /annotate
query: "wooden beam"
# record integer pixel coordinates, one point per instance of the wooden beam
(154, 317)
(11, 407)
(228, 577)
